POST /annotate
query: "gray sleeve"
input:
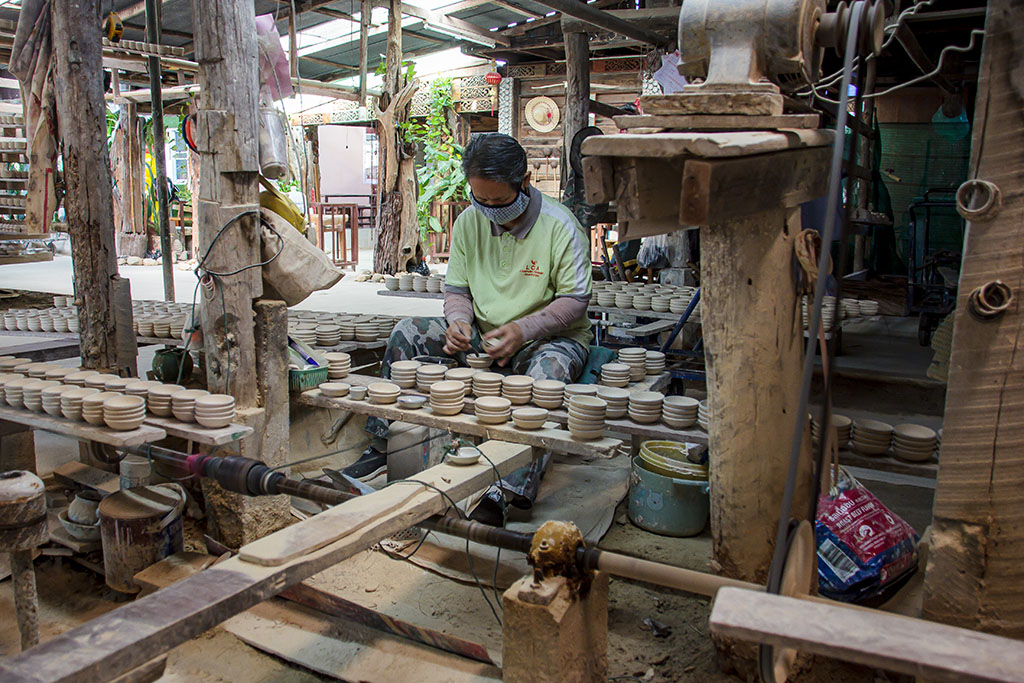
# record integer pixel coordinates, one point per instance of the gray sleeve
(458, 304)
(553, 318)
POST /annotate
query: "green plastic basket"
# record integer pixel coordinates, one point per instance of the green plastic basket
(308, 378)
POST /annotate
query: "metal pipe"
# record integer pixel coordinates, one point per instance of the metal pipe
(601, 19)
(160, 149)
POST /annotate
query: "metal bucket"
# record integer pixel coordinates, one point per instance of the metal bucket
(140, 527)
(667, 505)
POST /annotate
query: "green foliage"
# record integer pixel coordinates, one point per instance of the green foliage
(440, 178)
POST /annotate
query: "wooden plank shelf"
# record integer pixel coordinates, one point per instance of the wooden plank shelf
(76, 473)
(167, 341)
(410, 295)
(548, 437)
(632, 312)
(82, 430)
(199, 434)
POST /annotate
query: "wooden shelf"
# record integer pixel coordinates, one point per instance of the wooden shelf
(642, 314)
(198, 433)
(82, 430)
(168, 341)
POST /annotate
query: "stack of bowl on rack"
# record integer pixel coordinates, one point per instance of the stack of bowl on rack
(517, 388)
(338, 364)
(51, 398)
(116, 384)
(916, 443)
(548, 393)
(405, 282)
(586, 417)
(159, 399)
(427, 374)
(660, 303)
(572, 390)
(645, 406)
(655, 362)
(124, 413)
(215, 410)
(479, 361)
(92, 407)
(529, 418)
(487, 384)
(493, 409)
(32, 393)
(850, 308)
(841, 425)
(403, 373)
(679, 412)
(14, 389)
(617, 400)
(97, 380)
(435, 283)
(183, 404)
(391, 283)
(623, 299)
(702, 414)
(871, 437)
(447, 397)
(615, 374)
(419, 282)
(867, 307)
(348, 330)
(383, 393)
(636, 358)
(328, 335)
(70, 401)
(642, 301)
(366, 332)
(606, 298)
(464, 375)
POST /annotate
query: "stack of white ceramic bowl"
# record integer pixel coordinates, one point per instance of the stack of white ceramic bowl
(660, 303)
(403, 373)
(60, 324)
(405, 282)
(841, 425)
(427, 374)
(9, 363)
(867, 307)
(339, 364)
(71, 402)
(183, 404)
(385, 326)
(703, 413)
(615, 374)
(215, 410)
(124, 413)
(435, 283)
(366, 332)
(145, 326)
(38, 370)
(97, 381)
(32, 393)
(391, 283)
(139, 387)
(636, 358)
(73, 324)
(851, 308)
(58, 373)
(912, 442)
(177, 324)
(679, 412)
(642, 302)
(645, 406)
(487, 384)
(60, 301)
(46, 322)
(348, 329)
(92, 407)
(78, 377)
(655, 362)
(162, 327)
(871, 437)
(617, 400)
(606, 298)
(383, 393)
(586, 417)
(328, 335)
(33, 321)
(493, 410)
(623, 299)
(159, 399)
(572, 390)
(548, 393)
(14, 390)
(419, 282)
(116, 384)
(517, 388)
(50, 398)
(447, 397)
(529, 418)
(464, 375)
(10, 321)
(303, 332)
(24, 368)
(479, 361)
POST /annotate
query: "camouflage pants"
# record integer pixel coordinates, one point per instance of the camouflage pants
(558, 358)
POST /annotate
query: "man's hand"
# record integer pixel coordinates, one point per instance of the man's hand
(457, 337)
(510, 339)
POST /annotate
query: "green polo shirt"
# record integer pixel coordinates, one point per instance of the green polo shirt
(513, 274)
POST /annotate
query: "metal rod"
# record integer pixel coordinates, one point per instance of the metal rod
(159, 150)
(26, 598)
(601, 19)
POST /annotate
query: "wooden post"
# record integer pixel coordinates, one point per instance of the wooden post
(577, 93)
(365, 9)
(89, 201)
(160, 151)
(293, 47)
(976, 563)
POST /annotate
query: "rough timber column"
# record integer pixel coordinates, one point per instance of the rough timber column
(577, 92)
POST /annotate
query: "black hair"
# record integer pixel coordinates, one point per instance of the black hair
(495, 156)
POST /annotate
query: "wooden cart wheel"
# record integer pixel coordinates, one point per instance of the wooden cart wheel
(798, 580)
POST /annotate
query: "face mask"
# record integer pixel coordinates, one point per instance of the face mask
(503, 215)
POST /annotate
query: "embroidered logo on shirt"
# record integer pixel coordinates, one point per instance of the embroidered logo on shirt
(532, 270)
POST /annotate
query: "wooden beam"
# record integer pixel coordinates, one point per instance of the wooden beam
(602, 19)
(660, 19)
(133, 634)
(440, 19)
(605, 110)
(159, 151)
(366, 7)
(513, 7)
(872, 638)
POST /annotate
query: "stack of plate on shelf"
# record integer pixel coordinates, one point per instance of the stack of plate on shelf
(871, 437)
(548, 393)
(338, 364)
(435, 283)
(348, 329)
(464, 375)
(529, 418)
(586, 417)
(479, 361)
(97, 380)
(645, 406)
(572, 390)
(51, 398)
(655, 362)
(615, 374)
(623, 299)
(703, 412)
(124, 413)
(159, 399)
(92, 407)
(487, 384)
(679, 412)
(606, 298)
(419, 282)
(183, 404)
(385, 326)
(303, 332)
(403, 373)
(841, 424)
(912, 442)
(405, 282)
(517, 388)
(492, 410)
(328, 335)
(642, 302)
(116, 384)
(70, 401)
(32, 393)
(427, 374)
(383, 393)
(215, 410)
(366, 332)
(447, 397)
(13, 391)
(636, 358)
(617, 400)
(868, 307)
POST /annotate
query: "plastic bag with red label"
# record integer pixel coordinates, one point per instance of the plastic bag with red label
(863, 547)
